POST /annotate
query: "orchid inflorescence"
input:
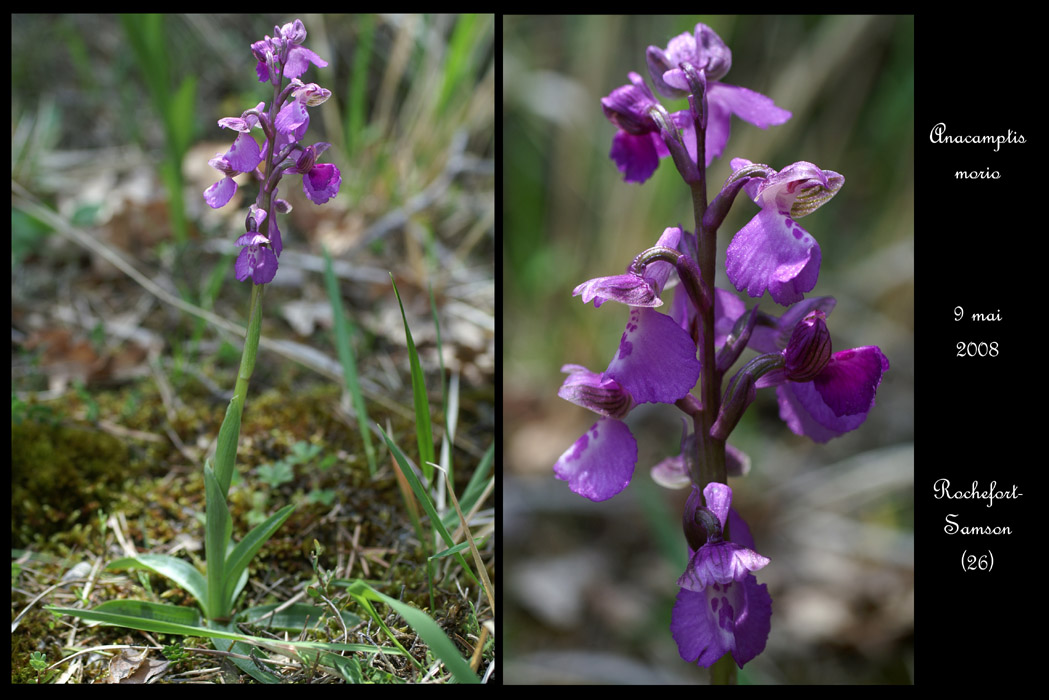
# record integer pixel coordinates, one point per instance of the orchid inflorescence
(720, 609)
(284, 125)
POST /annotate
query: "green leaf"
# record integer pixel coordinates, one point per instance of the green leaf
(179, 571)
(177, 614)
(218, 531)
(218, 633)
(226, 450)
(424, 499)
(238, 560)
(458, 548)
(442, 647)
(293, 618)
(423, 429)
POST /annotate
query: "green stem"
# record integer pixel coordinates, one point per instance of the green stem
(251, 345)
(710, 462)
(723, 672)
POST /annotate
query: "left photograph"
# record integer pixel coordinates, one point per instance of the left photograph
(253, 349)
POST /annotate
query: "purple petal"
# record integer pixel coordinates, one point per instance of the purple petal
(244, 154)
(322, 182)
(601, 462)
(219, 194)
(750, 106)
(299, 59)
(719, 498)
(732, 617)
(720, 563)
(849, 381)
(594, 392)
(292, 116)
(656, 362)
(773, 252)
(628, 288)
(635, 156)
(805, 413)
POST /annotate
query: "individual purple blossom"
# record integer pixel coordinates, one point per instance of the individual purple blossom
(720, 608)
(242, 157)
(822, 395)
(256, 260)
(320, 181)
(772, 252)
(638, 144)
(286, 47)
(656, 363)
(705, 50)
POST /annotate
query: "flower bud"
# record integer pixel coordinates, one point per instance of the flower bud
(809, 348)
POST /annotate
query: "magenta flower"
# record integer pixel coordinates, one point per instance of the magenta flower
(656, 363)
(320, 181)
(631, 288)
(772, 251)
(284, 48)
(822, 395)
(637, 145)
(278, 57)
(720, 608)
(705, 50)
(242, 157)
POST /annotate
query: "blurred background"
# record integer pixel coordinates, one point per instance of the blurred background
(590, 586)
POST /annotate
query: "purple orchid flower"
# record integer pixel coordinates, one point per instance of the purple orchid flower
(242, 157)
(720, 608)
(285, 46)
(705, 50)
(772, 251)
(656, 363)
(821, 395)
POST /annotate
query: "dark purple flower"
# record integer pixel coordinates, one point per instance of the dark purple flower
(320, 181)
(705, 50)
(656, 362)
(720, 608)
(242, 157)
(256, 260)
(286, 47)
(772, 251)
(835, 399)
(601, 462)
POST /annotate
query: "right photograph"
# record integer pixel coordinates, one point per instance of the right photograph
(708, 408)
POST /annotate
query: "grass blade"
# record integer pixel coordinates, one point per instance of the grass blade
(423, 429)
(426, 502)
(293, 618)
(442, 647)
(177, 614)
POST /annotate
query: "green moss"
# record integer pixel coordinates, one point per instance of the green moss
(60, 475)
